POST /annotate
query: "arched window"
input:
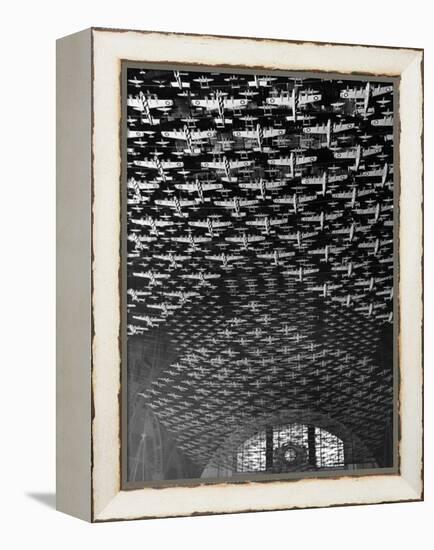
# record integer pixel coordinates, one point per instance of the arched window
(290, 447)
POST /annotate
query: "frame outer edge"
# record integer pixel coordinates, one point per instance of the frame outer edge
(409, 491)
(73, 275)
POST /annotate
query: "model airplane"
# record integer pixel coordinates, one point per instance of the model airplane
(210, 224)
(259, 134)
(178, 82)
(150, 321)
(267, 223)
(220, 103)
(191, 137)
(173, 258)
(199, 187)
(226, 166)
(225, 259)
(202, 277)
(192, 240)
(292, 101)
(245, 239)
(329, 128)
(235, 204)
(176, 204)
(276, 255)
(153, 223)
(262, 186)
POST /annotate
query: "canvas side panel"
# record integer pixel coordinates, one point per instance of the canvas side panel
(73, 266)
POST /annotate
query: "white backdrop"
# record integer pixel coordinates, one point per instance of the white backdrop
(27, 198)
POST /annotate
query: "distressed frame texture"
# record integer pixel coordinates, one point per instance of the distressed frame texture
(89, 207)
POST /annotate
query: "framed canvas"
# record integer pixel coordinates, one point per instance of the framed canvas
(239, 259)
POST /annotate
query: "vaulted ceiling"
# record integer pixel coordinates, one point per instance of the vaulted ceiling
(260, 251)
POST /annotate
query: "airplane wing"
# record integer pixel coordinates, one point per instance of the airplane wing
(312, 179)
(345, 154)
(135, 102)
(194, 224)
(315, 130)
(282, 101)
(227, 204)
(278, 221)
(202, 134)
(181, 239)
(201, 239)
(306, 198)
(364, 192)
(174, 134)
(139, 222)
(371, 151)
(217, 164)
(343, 127)
(211, 186)
(145, 163)
(342, 177)
(146, 185)
(365, 210)
(280, 162)
(317, 288)
(284, 200)
(385, 121)
(380, 90)
(153, 103)
(165, 202)
(273, 132)
(274, 184)
(305, 99)
(171, 164)
(157, 103)
(246, 133)
(305, 160)
(232, 103)
(186, 186)
(211, 104)
(252, 185)
(353, 93)
(343, 195)
(240, 163)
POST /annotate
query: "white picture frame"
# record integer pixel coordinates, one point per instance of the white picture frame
(88, 268)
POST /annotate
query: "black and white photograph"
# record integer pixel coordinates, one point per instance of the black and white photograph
(216, 242)
(258, 265)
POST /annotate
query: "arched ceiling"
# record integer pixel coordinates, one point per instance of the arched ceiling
(260, 251)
